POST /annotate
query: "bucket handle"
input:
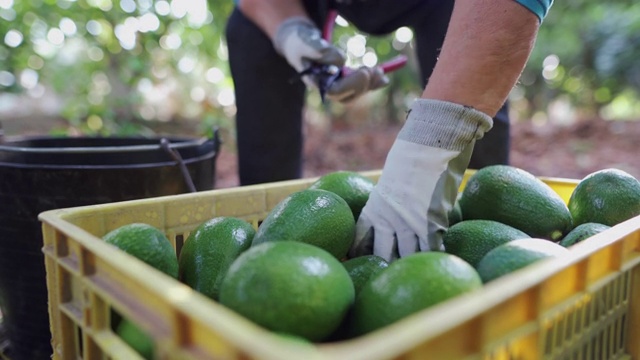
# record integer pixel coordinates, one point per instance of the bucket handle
(166, 146)
(175, 155)
(216, 140)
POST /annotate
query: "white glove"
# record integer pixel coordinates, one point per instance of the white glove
(407, 209)
(300, 41)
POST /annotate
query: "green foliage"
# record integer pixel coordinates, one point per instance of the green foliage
(108, 60)
(586, 50)
(118, 64)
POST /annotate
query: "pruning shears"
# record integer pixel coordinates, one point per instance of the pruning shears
(325, 75)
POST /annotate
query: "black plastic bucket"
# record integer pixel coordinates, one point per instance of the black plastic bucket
(44, 173)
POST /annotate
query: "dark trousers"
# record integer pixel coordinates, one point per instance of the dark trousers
(270, 105)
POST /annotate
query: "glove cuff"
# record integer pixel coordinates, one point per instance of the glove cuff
(285, 29)
(443, 124)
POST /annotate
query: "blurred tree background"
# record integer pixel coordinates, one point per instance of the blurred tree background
(123, 66)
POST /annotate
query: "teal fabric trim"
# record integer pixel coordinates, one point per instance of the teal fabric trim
(539, 7)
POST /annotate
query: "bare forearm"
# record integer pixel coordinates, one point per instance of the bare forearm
(487, 46)
(269, 14)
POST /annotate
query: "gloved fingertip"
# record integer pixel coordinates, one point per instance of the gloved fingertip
(363, 244)
(408, 243)
(379, 80)
(385, 245)
(433, 242)
(333, 56)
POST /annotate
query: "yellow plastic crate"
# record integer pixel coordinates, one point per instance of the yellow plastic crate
(584, 306)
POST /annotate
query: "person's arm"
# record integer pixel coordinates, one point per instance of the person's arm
(268, 15)
(484, 52)
(485, 49)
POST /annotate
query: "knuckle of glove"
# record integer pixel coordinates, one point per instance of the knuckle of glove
(301, 43)
(319, 49)
(378, 78)
(310, 36)
(331, 55)
(351, 86)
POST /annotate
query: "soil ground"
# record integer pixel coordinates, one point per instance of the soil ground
(566, 151)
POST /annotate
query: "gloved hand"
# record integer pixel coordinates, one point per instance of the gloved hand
(407, 210)
(358, 82)
(300, 41)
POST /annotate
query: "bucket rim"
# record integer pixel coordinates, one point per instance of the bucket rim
(175, 142)
(37, 166)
